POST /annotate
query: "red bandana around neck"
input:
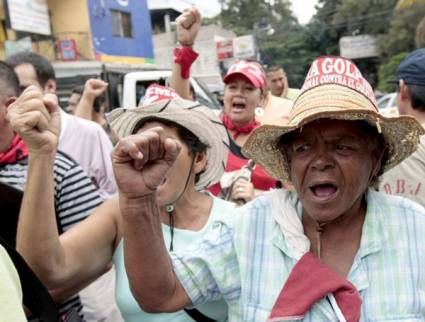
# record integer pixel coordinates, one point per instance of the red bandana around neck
(238, 130)
(309, 282)
(17, 151)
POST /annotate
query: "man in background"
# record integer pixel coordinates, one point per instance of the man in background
(278, 83)
(75, 194)
(408, 178)
(88, 144)
(83, 140)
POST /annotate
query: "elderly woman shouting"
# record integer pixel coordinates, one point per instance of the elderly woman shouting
(332, 250)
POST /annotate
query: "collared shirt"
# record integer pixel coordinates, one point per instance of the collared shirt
(247, 260)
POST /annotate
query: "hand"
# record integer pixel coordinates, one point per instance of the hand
(36, 118)
(242, 190)
(94, 87)
(141, 162)
(187, 26)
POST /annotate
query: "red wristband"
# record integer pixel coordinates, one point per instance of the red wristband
(184, 56)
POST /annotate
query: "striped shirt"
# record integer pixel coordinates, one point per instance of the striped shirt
(75, 197)
(247, 260)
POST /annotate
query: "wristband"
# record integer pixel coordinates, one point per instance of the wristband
(184, 56)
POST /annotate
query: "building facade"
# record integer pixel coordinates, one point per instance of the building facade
(78, 30)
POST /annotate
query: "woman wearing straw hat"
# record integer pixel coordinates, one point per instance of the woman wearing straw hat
(245, 88)
(332, 250)
(85, 252)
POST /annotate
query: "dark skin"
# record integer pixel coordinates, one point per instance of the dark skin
(332, 165)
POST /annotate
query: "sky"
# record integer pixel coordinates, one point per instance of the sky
(303, 9)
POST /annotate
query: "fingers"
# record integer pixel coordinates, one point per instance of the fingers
(144, 147)
(243, 189)
(188, 18)
(30, 109)
(197, 15)
(29, 121)
(95, 87)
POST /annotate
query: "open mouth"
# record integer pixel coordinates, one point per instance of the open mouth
(324, 191)
(238, 107)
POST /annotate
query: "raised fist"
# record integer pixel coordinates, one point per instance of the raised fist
(187, 26)
(36, 118)
(141, 161)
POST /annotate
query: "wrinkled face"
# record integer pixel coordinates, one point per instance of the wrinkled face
(73, 101)
(27, 76)
(276, 81)
(173, 186)
(332, 163)
(240, 99)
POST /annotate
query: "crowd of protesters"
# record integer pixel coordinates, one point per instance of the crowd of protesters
(281, 208)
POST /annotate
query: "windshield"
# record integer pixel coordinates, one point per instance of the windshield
(204, 96)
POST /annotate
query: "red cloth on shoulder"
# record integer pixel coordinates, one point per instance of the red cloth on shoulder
(310, 280)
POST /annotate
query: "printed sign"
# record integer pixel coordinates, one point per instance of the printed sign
(30, 16)
(68, 49)
(224, 49)
(362, 46)
(244, 47)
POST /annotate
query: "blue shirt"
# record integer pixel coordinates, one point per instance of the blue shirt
(246, 260)
(130, 310)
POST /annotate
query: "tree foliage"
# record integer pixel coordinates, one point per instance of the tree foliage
(401, 34)
(388, 71)
(294, 46)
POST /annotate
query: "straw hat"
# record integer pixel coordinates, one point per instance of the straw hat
(333, 89)
(198, 119)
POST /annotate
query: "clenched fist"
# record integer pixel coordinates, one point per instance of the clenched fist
(36, 118)
(187, 26)
(141, 161)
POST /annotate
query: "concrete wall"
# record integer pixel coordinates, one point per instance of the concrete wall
(70, 19)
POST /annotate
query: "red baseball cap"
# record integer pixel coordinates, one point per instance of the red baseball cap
(251, 70)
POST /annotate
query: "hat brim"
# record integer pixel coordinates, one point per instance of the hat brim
(401, 134)
(249, 77)
(198, 119)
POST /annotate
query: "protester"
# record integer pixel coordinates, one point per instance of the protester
(332, 250)
(74, 99)
(86, 143)
(278, 83)
(10, 290)
(244, 90)
(91, 106)
(408, 178)
(74, 196)
(187, 213)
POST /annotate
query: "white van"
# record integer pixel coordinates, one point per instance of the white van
(136, 83)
